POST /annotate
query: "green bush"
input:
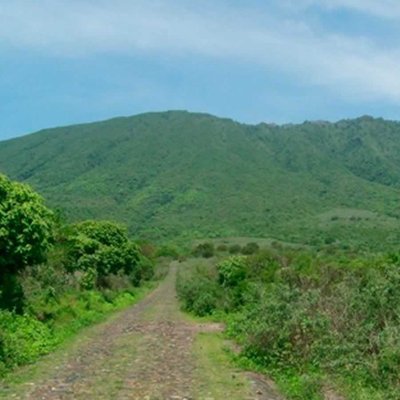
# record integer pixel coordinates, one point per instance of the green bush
(22, 339)
(168, 250)
(205, 250)
(250, 248)
(222, 248)
(49, 320)
(234, 249)
(198, 290)
(232, 271)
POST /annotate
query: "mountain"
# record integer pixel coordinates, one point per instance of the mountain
(181, 175)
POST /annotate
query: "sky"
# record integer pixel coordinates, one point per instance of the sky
(70, 61)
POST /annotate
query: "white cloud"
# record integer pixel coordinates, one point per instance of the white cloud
(356, 67)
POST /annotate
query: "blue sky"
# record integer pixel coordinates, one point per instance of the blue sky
(71, 61)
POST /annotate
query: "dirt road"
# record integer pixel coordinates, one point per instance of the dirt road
(150, 351)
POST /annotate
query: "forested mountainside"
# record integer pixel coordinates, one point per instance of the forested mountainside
(181, 174)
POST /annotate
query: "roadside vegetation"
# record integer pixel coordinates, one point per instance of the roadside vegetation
(310, 320)
(56, 278)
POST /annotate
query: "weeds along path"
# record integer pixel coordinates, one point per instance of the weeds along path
(150, 351)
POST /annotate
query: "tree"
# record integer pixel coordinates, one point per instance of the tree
(26, 227)
(101, 248)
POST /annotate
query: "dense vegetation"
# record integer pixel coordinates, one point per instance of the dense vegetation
(325, 308)
(307, 318)
(181, 175)
(56, 278)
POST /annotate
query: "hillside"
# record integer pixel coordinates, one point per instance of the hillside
(180, 174)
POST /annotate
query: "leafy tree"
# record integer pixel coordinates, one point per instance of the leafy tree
(100, 248)
(104, 232)
(26, 227)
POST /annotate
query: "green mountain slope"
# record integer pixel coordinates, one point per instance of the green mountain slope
(179, 174)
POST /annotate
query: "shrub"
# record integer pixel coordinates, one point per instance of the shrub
(250, 248)
(263, 266)
(168, 250)
(222, 247)
(147, 249)
(22, 339)
(205, 250)
(234, 249)
(198, 290)
(232, 271)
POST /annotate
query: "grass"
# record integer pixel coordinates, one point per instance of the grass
(67, 336)
(217, 373)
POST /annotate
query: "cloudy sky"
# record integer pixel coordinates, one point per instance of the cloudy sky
(70, 61)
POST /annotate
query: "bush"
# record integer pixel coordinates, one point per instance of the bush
(250, 248)
(235, 249)
(147, 249)
(22, 339)
(232, 271)
(222, 248)
(205, 250)
(198, 290)
(263, 266)
(168, 250)
(232, 274)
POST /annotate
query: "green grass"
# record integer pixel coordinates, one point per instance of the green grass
(217, 373)
(27, 339)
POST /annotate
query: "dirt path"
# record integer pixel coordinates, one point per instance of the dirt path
(150, 351)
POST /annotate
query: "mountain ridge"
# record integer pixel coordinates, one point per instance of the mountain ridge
(206, 114)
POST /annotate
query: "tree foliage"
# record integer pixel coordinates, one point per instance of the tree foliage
(100, 248)
(26, 226)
